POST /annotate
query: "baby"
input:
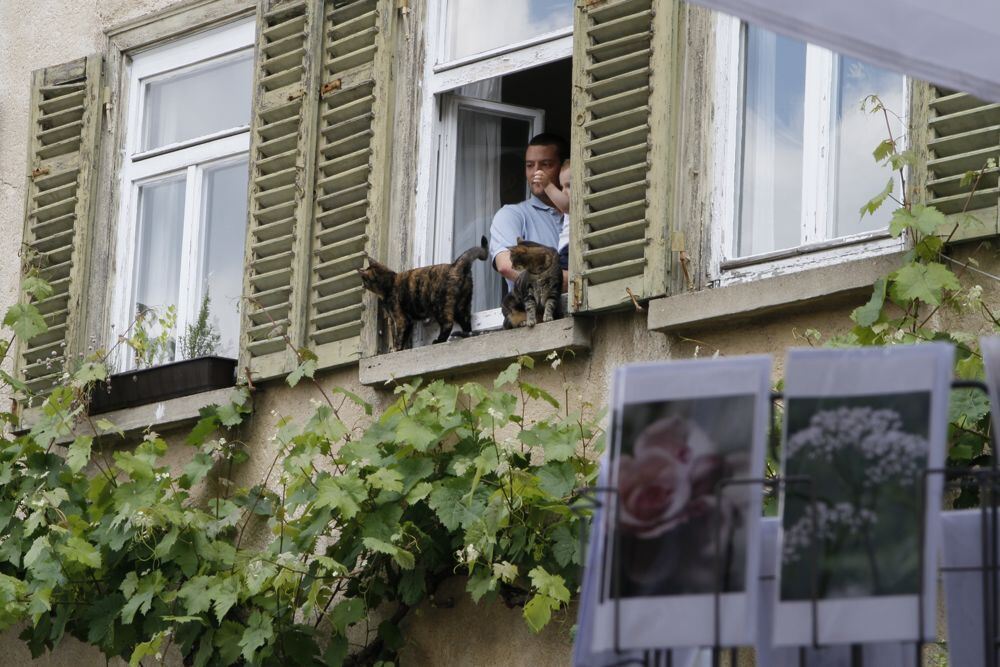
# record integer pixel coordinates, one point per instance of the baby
(560, 198)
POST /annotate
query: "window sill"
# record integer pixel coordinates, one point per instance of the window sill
(160, 416)
(799, 290)
(488, 350)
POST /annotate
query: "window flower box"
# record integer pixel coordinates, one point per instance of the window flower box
(150, 385)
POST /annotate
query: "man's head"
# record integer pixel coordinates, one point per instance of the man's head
(546, 153)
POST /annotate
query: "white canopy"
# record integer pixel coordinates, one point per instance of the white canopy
(952, 43)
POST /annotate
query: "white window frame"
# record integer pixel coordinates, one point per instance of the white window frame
(189, 158)
(438, 129)
(817, 247)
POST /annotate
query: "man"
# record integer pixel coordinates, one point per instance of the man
(535, 219)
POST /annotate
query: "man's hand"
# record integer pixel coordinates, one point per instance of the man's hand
(504, 266)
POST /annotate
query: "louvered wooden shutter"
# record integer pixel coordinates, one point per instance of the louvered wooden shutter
(623, 64)
(351, 172)
(282, 157)
(964, 132)
(63, 138)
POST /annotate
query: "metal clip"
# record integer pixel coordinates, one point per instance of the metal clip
(685, 261)
(635, 301)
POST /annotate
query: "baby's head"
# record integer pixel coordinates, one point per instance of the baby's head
(565, 174)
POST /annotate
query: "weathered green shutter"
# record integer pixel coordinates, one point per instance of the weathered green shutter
(351, 172)
(63, 138)
(282, 157)
(622, 146)
(963, 133)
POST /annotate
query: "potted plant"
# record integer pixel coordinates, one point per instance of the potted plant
(156, 378)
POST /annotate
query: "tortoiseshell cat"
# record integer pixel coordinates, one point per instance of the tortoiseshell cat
(537, 288)
(441, 291)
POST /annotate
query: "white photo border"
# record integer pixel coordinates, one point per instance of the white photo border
(899, 369)
(684, 620)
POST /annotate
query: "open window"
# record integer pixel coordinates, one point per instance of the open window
(182, 220)
(500, 73)
(795, 159)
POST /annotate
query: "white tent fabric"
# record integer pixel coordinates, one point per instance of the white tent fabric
(952, 44)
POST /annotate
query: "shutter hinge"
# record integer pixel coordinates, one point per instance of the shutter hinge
(677, 242)
(106, 101)
(330, 86)
(577, 292)
(40, 171)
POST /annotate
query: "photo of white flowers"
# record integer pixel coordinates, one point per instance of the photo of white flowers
(857, 531)
(680, 532)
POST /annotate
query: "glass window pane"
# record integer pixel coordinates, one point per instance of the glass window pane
(491, 155)
(475, 26)
(224, 209)
(211, 97)
(771, 188)
(158, 260)
(857, 133)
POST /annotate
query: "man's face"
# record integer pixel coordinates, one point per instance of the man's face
(546, 160)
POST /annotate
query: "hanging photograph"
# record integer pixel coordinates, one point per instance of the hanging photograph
(583, 653)
(686, 438)
(859, 516)
(990, 348)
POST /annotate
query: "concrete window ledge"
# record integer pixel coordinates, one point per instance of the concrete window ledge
(795, 291)
(161, 416)
(488, 350)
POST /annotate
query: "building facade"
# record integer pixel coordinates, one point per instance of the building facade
(244, 157)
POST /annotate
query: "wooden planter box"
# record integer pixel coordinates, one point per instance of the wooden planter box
(151, 385)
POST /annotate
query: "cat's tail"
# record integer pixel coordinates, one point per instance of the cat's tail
(472, 254)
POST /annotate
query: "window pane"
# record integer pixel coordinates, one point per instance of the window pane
(475, 26)
(158, 261)
(858, 176)
(225, 216)
(212, 97)
(490, 156)
(771, 192)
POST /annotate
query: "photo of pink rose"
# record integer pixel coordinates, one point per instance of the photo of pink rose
(675, 519)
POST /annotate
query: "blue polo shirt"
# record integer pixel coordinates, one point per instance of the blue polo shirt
(532, 220)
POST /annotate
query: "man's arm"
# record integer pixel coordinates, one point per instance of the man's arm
(504, 266)
(506, 227)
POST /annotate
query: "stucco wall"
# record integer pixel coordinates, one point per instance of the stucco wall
(37, 33)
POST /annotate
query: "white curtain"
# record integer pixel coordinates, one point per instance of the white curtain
(477, 188)
(161, 230)
(756, 233)
(771, 205)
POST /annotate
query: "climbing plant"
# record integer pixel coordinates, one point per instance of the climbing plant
(921, 299)
(317, 562)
